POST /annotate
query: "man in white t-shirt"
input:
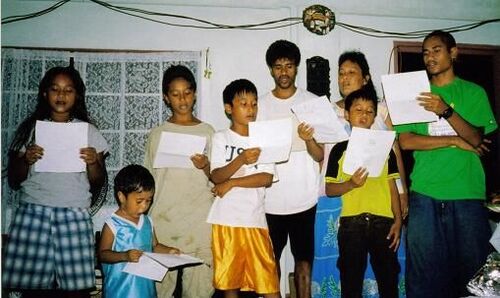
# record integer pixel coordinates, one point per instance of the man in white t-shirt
(291, 202)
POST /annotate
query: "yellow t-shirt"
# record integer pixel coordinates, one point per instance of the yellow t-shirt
(373, 197)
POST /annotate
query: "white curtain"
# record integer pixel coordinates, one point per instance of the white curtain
(124, 100)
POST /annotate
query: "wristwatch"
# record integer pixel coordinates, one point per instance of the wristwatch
(446, 113)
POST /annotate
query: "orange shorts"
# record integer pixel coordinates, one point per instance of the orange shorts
(244, 259)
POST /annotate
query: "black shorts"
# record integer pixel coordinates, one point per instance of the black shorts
(299, 227)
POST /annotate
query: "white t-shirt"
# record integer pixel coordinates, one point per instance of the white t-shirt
(297, 188)
(240, 207)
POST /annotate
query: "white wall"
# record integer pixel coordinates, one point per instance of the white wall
(237, 53)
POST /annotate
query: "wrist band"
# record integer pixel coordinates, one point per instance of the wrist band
(446, 113)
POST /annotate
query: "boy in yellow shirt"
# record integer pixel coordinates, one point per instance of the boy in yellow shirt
(370, 219)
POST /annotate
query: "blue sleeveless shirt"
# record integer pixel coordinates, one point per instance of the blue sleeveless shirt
(128, 235)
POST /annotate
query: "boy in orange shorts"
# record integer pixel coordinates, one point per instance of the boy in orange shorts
(241, 246)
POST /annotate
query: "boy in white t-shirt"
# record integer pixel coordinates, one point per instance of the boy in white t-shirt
(241, 246)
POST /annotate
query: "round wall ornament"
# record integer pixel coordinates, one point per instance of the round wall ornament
(318, 19)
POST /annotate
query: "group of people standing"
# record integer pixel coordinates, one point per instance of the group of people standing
(254, 209)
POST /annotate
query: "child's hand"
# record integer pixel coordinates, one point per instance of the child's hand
(134, 255)
(89, 155)
(305, 131)
(250, 156)
(200, 161)
(394, 234)
(33, 154)
(221, 189)
(359, 177)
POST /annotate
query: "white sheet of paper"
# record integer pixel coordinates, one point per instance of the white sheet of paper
(368, 148)
(147, 268)
(171, 260)
(495, 238)
(175, 150)
(155, 265)
(61, 143)
(297, 143)
(401, 91)
(273, 137)
(319, 114)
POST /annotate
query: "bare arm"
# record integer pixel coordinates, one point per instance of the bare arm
(200, 161)
(434, 103)
(222, 174)
(411, 141)
(96, 169)
(17, 169)
(107, 255)
(465, 130)
(250, 181)
(395, 231)
(20, 163)
(314, 149)
(395, 202)
(403, 194)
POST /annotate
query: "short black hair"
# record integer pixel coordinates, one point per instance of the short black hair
(358, 58)
(444, 36)
(175, 72)
(282, 49)
(133, 178)
(237, 87)
(364, 94)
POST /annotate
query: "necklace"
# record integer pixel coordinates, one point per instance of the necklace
(70, 119)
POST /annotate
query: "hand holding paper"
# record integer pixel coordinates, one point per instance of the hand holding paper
(432, 102)
(176, 150)
(33, 153)
(368, 148)
(61, 143)
(200, 161)
(273, 138)
(250, 155)
(401, 92)
(155, 265)
(359, 177)
(306, 131)
(319, 114)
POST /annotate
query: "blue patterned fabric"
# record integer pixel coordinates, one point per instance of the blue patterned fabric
(325, 274)
(50, 246)
(128, 236)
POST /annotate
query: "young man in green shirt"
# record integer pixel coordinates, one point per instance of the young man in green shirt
(448, 231)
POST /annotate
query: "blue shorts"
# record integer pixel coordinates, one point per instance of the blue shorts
(50, 248)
